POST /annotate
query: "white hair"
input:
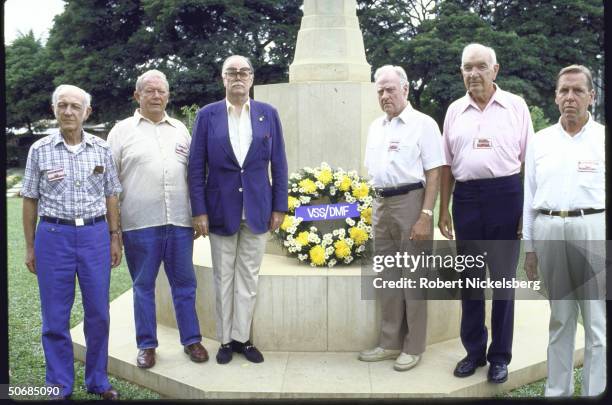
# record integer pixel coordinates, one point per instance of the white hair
(399, 71)
(226, 61)
(478, 47)
(151, 73)
(63, 87)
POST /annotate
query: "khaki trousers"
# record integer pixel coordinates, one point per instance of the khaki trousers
(236, 260)
(404, 311)
(559, 265)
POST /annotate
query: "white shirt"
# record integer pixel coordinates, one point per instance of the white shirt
(398, 151)
(151, 160)
(563, 172)
(240, 130)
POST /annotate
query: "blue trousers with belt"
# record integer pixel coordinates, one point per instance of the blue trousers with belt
(488, 210)
(145, 250)
(63, 252)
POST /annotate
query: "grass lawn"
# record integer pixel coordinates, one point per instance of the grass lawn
(26, 358)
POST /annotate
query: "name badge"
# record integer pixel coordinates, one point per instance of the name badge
(182, 150)
(55, 174)
(588, 166)
(483, 143)
(394, 146)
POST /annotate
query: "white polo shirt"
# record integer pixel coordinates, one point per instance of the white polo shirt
(398, 151)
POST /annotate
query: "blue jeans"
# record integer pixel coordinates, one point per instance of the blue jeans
(63, 252)
(145, 249)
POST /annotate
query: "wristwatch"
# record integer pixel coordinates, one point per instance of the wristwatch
(427, 212)
(116, 231)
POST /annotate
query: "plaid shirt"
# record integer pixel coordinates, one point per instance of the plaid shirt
(70, 185)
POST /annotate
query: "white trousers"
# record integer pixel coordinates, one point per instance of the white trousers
(236, 260)
(558, 261)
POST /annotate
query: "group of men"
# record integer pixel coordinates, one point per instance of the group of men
(487, 136)
(152, 189)
(171, 188)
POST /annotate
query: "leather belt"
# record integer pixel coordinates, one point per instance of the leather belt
(575, 213)
(74, 222)
(381, 192)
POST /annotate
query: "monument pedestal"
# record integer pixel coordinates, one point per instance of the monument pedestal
(302, 308)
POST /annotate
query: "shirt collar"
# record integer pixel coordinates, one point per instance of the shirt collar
(404, 115)
(139, 117)
(229, 107)
(499, 97)
(85, 137)
(586, 126)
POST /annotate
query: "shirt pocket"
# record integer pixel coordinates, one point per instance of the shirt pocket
(55, 187)
(590, 174)
(94, 183)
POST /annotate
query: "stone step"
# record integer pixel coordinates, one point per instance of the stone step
(320, 374)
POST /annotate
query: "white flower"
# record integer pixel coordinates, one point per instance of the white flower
(350, 198)
(332, 190)
(361, 248)
(327, 236)
(304, 199)
(348, 259)
(312, 236)
(302, 257)
(329, 251)
(287, 243)
(350, 221)
(332, 263)
(349, 241)
(341, 232)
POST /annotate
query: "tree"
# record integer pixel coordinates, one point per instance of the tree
(28, 83)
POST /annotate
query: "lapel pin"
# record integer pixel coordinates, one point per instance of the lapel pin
(261, 118)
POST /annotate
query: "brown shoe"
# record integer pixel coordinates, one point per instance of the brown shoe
(196, 352)
(145, 358)
(110, 394)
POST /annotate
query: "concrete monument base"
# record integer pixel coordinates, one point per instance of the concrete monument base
(299, 374)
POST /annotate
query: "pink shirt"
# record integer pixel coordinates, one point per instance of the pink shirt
(488, 143)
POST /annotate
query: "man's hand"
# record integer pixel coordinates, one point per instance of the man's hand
(445, 224)
(115, 250)
(421, 230)
(276, 220)
(30, 260)
(531, 266)
(519, 230)
(200, 226)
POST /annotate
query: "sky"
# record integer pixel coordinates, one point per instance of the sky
(24, 15)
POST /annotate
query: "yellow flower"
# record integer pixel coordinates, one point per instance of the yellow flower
(293, 203)
(302, 238)
(308, 185)
(358, 235)
(342, 249)
(287, 222)
(366, 214)
(345, 183)
(361, 190)
(317, 255)
(325, 176)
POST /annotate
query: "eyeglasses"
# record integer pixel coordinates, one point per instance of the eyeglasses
(240, 74)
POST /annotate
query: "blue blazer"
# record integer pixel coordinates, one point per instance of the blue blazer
(219, 187)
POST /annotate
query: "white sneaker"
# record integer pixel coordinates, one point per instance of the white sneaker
(406, 361)
(377, 354)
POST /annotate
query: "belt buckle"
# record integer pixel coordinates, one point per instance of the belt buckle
(563, 214)
(79, 222)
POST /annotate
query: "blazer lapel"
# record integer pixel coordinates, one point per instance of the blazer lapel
(222, 130)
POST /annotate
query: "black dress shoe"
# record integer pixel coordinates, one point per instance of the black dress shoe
(251, 353)
(224, 355)
(498, 373)
(110, 394)
(466, 367)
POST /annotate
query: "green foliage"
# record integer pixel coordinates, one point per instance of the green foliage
(538, 119)
(189, 113)
(28, 82)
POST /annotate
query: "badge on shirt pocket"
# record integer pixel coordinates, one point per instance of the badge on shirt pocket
(483, 143)
(182, 150)
(54, 175)
(588, 166)
(394, 146)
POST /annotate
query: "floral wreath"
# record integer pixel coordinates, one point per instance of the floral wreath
(303, 240)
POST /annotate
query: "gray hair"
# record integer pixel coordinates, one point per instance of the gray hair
(151, 73)
(577, 69)
(399, 71)
(238, 56)
(63, 87)
(479, 47)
